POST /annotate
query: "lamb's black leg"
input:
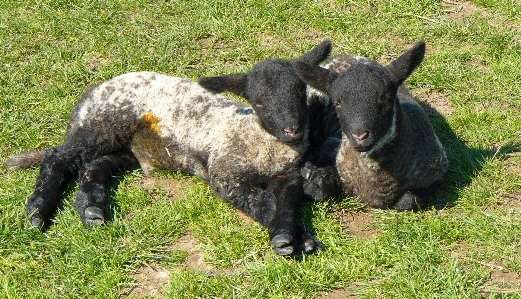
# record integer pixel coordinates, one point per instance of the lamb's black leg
(286, 236)
(273, 207)
(58, 167)
(94, 177)
(416, 199)
(287, 191)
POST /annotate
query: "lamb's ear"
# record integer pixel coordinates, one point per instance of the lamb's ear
(404, 65)
(317, 54)
(316, 76)
(235, 83)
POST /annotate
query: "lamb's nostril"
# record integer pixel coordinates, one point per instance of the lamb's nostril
(291, 131)
(360, 136)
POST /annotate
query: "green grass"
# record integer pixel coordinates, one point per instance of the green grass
(51, 51)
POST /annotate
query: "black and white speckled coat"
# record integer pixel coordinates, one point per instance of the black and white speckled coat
(250, 155)
(389, 155)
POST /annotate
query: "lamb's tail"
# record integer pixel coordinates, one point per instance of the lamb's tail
(26, 160)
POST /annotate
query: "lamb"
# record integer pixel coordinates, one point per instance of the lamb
(250, 155)
(389, 155)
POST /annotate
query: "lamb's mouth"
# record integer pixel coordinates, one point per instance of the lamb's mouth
(292, 140)
(362, 149)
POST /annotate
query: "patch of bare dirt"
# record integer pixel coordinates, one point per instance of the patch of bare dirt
(210, 43)
(337, 294)
(501, 280)
(459, 10)
(437, 101)
(398, 43)
(270, 41)
(349, 292)
(513, 167)
(314, 35)
(245, 218)
(174, 187)
(149, 282)
(358, 224)
(510, 203)
(195, 260)
(94, 60)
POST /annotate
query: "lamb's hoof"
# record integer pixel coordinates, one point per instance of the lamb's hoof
(94, 216)
(306, 172)
(37, 221)
(309, 244)
(282, 244)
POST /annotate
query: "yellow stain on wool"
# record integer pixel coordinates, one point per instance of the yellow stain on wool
(150, 121)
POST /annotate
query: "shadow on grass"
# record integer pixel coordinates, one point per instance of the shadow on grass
(465, 162)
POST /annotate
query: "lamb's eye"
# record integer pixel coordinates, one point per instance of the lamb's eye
(338, 105)
(258, 105)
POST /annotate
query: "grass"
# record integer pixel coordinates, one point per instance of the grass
(465, 246)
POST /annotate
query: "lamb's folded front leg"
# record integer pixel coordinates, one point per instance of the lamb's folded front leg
(289, 194)
(319, 182)
(94, 177)
(417, 198)
(274, 207)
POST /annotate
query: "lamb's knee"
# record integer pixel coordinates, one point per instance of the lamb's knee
(412, 200)
(319, 182)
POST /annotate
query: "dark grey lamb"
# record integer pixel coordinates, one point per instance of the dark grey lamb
(250, 155)
(389, 155)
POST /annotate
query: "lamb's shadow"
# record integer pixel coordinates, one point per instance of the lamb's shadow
(465, 162)
(113, 208)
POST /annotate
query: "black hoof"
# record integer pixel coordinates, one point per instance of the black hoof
(94, 216)
(37, 221)
(309, 244)
(282, 244)
(305, 172)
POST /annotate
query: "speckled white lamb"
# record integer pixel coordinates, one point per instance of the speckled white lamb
(250, 155)
(389, 155)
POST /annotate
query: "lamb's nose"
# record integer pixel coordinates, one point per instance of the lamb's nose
(291, 131)
(360, 136)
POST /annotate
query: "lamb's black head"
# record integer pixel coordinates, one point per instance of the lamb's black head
(365, 95)
(276, 93)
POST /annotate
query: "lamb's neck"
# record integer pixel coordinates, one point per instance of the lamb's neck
(388, 149)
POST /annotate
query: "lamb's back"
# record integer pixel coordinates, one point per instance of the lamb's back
(427, 160)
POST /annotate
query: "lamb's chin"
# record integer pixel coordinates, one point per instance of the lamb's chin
(291, 141)
(362, 148)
